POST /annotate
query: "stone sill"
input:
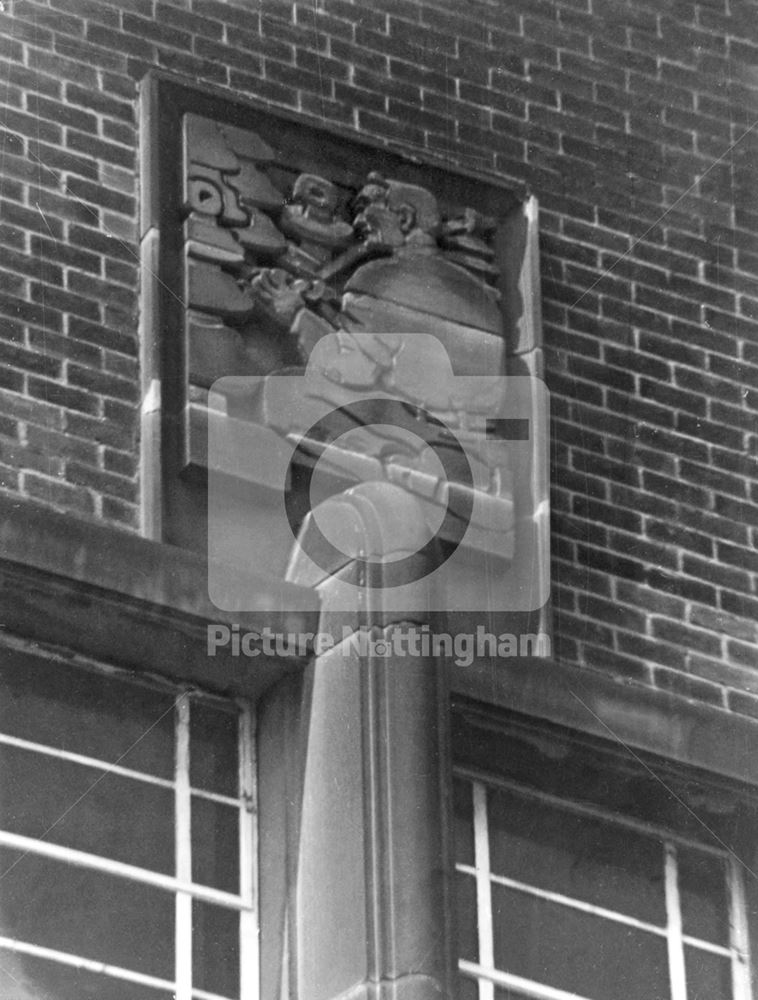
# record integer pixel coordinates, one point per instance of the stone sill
(103, 593)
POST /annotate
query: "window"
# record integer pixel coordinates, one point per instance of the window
(560, 896)
(127, 838)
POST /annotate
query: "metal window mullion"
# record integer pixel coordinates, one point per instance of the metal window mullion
(701, 945)
(598, 911)
(102, 765)
(674, 937)
(516, 984)
(739, 938)
(79, 758)
(119, 869)
(205, 995)
(585, 809)
(224, 800)
(483, 887)
(101, 968)
(183, 850)
(248, 854)
(86, 964)
(569, 901)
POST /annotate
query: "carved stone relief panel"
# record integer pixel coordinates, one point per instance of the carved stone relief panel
(284, 249)
(275, 259)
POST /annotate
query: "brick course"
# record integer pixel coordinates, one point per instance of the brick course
(618, 121)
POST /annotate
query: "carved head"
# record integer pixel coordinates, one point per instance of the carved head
(317, 196)
(392, 212)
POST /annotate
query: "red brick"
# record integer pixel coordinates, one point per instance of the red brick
(97, 148)
(121, 273)
(57, 298)
(708, 431)
(57, 493)
(651, 650)
(120, 462)
(584, 629)
(263, 89)
(714, 479)
(722, 576)
(620, 666)
(64, 445)
(680, 586)
(102, 383)
(17, 29)
(12, 380)
(327, 110)
(62, 395)
(120, 512)
(119, 132)
(102, 336)
(30, 361)
(99, 103)
(611, 613)
(689, 687)
(91, 10)
(388, 128)
(235, 17)
(19, 456)
(743, 704)
(90, 55)
(102, 482)
(118, 41)
(119, 85)
(104, 431)
(581, 483)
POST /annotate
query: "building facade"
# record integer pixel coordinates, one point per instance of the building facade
(203, 797)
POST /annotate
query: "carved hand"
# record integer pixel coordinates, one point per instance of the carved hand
(279, 294)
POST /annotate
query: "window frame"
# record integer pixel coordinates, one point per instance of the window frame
(181, 884)
(488, 976)
(476, 767)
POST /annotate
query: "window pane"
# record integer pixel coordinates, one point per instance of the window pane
(88, 713)
(577, 952)
(87, 809)
(47, 980)
(213, 736)
(708, 976)
(702, 889)
(87, 913)
(215, 949)
(466, 918)
(463, 812)
(468, 989)
(579, 856)
(215, 845)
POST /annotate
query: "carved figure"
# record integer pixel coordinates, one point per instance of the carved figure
(275, 264)
(226, 197)
(403, 284)
(402, 290)
(311, 219)
(229, 202)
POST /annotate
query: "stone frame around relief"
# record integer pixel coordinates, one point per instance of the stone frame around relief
(298, 146)
(175, 416)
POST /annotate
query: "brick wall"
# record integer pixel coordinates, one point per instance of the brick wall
(632, 126)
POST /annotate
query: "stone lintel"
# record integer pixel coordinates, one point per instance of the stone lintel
(125, 600)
